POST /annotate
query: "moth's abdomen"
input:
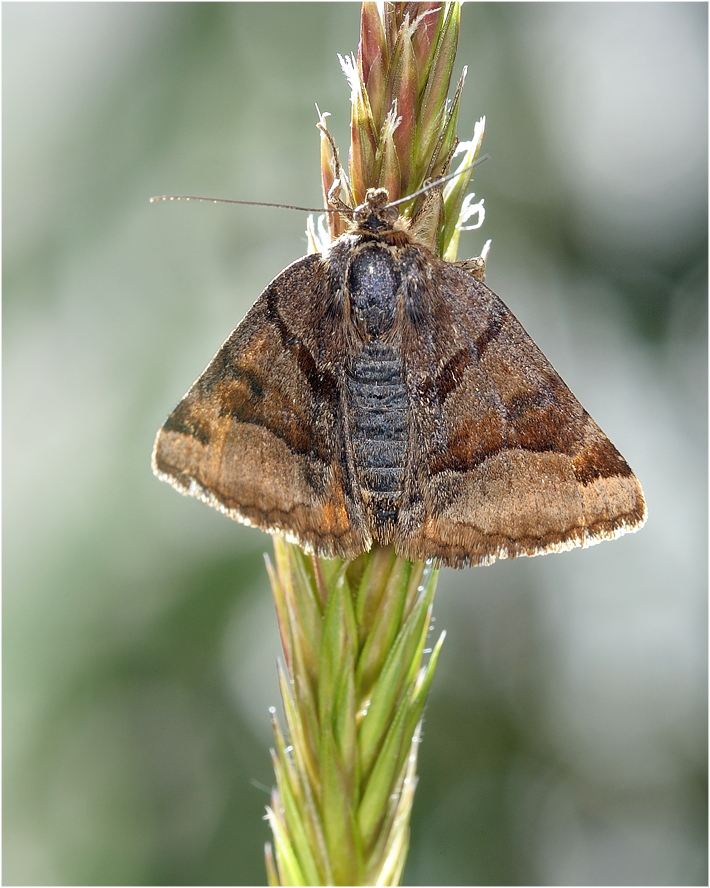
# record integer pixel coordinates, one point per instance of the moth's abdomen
(378, 413)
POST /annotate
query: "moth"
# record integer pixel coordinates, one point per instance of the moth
(376, 394)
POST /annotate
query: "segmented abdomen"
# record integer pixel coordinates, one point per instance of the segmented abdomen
(378, 410)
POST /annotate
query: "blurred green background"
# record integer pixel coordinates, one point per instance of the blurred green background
(565, 738)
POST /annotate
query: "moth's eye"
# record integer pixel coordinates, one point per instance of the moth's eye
(392, 214)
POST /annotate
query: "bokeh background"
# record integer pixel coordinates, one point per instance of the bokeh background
(565, 738)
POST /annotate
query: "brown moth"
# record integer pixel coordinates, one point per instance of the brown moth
(376, 394)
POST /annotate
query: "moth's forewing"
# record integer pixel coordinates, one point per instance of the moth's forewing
(504, 460)
(259, 434)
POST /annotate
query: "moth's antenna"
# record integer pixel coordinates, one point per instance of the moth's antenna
(244, 203)
(341, 209)
(433, 184)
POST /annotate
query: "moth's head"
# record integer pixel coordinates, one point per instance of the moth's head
(377, 213)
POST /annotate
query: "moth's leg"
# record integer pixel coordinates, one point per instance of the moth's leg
(476, 266)
(336, 203)
(425, 224)
(341, 179)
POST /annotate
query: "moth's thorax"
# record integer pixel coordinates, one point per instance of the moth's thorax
(373, 284)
